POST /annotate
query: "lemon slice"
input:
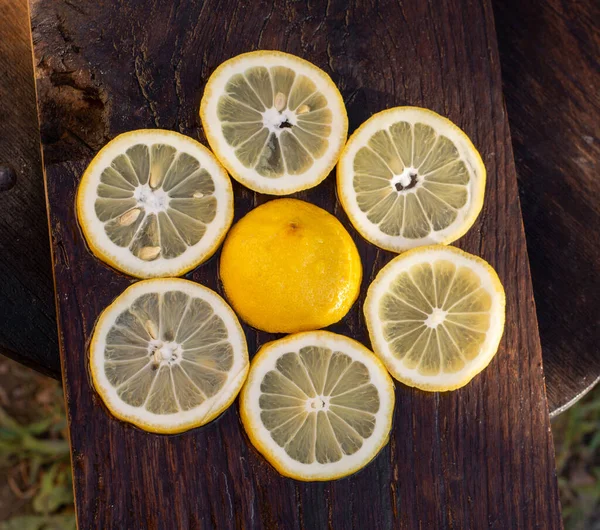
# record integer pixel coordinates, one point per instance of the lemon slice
(435, 316)
(275, 121)
(409, 177)
(154, 203)
(168, 355)
(317, 405)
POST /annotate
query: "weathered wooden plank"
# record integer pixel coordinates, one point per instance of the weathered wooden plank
(556, 63)
(27, 314)
(557, 153)
(478, 457)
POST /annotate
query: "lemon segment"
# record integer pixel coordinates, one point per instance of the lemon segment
(168, 355)
(409, 177)
(317, 405)
(290, 266)
(277, 122)
(435, 317)
(154, 203)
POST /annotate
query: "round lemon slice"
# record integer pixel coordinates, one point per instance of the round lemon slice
(275, 121)
(154, 203)
(168, 355)
(409, 177)
(317, 405)
(435, 316)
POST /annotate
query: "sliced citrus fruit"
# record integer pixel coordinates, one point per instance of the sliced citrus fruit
(275, 121)
(435, 316)
(317, 405)
(290, 266)
(409, 177)
(168, 355)
(154, 203)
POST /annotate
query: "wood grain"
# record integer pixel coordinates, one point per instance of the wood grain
(551, 79)
(27, 314)
(564, 47)
(478, 457)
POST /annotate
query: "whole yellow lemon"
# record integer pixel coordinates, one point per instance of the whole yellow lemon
(290, 266)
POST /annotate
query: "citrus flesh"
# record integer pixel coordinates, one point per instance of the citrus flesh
(168, 355)
(290, 266)
(409, 177)
(154, 203)
(277, 122)
(317, 405)
(435, 316)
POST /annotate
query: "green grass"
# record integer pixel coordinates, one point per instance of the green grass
(38, 460)
(577, 444)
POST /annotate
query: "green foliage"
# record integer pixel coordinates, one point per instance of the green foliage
(577, 444)
(40, 522)
(45, 454)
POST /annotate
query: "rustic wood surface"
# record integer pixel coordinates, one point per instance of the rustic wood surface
(549, 52)
(27, 315)
(564, 260)
(478, 457)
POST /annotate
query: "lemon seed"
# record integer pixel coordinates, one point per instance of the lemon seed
(303, 109)
(129, 217)
(280, 101)
(149, 253)
(155, 179)
(152, 331)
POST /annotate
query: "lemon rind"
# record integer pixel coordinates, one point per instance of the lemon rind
(371, 232)
(472, 368)
(219, 146)
(253, 427)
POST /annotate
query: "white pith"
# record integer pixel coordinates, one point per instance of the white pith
(382, 285)
(154, 201)
(168, 353)
(348, 463)
(272, 118)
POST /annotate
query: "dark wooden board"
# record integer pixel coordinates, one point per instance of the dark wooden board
(551, 85)
(564, 261)
(27, 315)
(478, 457)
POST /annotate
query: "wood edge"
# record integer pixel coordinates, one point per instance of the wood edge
(511, 156)
(63, 368)
(563, 408)
(28, 362)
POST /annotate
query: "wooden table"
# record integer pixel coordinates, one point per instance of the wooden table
(550, 85)
(549, 52)
(478, 457)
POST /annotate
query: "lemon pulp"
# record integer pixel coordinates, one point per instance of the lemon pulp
(436, 315)
(409, 177)
(277, 122)
(317, 405)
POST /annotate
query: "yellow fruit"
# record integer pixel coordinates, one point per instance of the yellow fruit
(168, 355)
(154, 203)
(435, 316)
(409, 177)
(317, 405)
(290, 266)
(275, 121)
